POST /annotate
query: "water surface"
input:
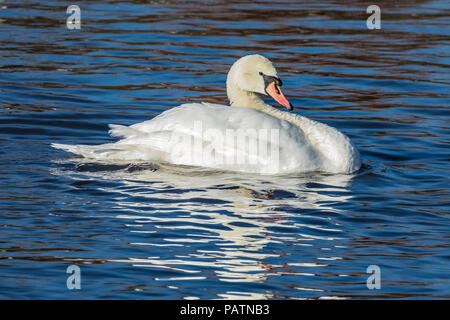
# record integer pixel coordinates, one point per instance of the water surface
(154, 231)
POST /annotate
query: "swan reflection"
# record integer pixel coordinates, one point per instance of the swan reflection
(221, 226)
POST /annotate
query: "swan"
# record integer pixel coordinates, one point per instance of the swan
(247, 136)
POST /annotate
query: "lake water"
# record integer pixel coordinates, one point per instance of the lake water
(153, 231)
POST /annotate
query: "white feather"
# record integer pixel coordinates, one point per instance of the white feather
(174, 136)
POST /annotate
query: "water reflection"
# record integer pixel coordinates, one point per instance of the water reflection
(238, 216)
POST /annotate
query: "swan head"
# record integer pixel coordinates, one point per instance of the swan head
(254, 74)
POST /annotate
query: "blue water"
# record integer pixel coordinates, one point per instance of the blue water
(154, 231)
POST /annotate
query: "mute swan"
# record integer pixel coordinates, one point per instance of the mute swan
(249, 136)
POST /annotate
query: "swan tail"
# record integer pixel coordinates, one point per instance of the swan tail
(114, 151)
(103, 151)
(117, 130)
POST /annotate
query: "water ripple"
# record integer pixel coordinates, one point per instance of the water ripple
(151, 230)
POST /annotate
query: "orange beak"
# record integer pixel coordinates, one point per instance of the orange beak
(275, 92)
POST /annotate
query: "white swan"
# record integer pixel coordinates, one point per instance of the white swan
(249, 136)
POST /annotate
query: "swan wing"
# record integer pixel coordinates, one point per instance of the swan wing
(210, 135)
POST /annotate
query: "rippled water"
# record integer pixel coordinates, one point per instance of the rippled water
(146, 230)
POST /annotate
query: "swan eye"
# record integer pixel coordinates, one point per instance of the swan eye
(270, 79)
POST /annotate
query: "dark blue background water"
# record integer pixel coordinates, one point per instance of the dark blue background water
(146, 230)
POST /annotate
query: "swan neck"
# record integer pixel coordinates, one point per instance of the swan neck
(242, 98)
(246, 99)
(292, 118)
